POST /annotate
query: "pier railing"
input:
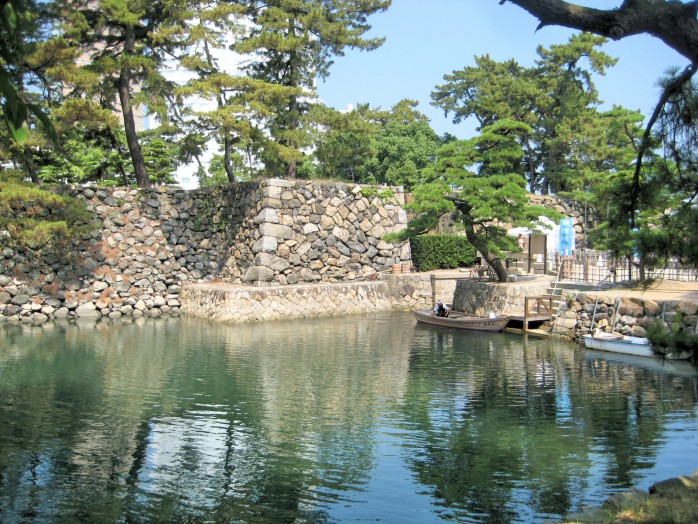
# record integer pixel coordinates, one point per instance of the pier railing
(599, 267)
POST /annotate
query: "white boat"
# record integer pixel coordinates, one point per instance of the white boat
(617, 343)
(627, 345)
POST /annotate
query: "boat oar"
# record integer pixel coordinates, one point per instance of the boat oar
(593, 316)
(615, 313)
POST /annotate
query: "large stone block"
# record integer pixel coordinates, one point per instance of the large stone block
(271, 261)
(258, 274)
(265, 244)
(88, 310)
(276, 230)
(341, 233)
(267, 215)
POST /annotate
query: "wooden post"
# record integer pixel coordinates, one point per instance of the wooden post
(433, 290)
(525, 322)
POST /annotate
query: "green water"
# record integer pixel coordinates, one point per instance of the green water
(351, 419)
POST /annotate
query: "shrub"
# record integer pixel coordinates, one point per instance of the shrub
(441, 252)
(673, 338)
(39, 219)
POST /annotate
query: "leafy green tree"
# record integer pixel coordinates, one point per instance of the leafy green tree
(405, 146)
(292, 43)
(124, 46)
(348, 142)
(674, 23)
(678, 132)
(160, 155)
(22, 24)
(100, 156)
(629, 222)
(216, 174)
(238, 107)
(482, 179)
(556, 98)
(37, 231)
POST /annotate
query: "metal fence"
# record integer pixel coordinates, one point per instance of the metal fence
(598, 267)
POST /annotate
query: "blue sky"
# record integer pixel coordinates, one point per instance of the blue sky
(427, 39)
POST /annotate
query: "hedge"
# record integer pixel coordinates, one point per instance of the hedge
(441, 252)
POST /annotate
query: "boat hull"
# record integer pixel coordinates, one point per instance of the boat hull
(637, 346)
(462, 321)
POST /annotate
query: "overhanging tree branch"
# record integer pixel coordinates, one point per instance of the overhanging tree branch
(672, 22)
(672, 88)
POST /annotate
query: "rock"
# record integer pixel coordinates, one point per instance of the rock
(258, 274)
(267, 215)
(270, 261)
(266, 243)
(11, 310)
(20, 299)
(624, 500)
(87, 310)
(61, 312)
(638, 331)
(39, 318)
(126, 310)
(680, 483)
(276, 230)
(687, 308)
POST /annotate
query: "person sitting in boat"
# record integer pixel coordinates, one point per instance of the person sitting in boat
(440, 309)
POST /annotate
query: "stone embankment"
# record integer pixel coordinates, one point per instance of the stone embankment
(145, 245)
(505, 299)
(224, 302)
(632, 316)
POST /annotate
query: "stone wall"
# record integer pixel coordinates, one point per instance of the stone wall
(224, 302)
(480, 298)
(632, 317)
(584, 218)
(147, 243)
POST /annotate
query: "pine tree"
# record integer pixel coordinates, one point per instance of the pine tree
(124, 44)
(292, 43)
(482, 179)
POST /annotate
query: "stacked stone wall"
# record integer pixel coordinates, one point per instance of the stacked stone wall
(584, 218)
(506, 299)
(145, 244)
(632, 315)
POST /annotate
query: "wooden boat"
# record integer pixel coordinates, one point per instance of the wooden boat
(627, 345)
(459, 320)
(617, 343)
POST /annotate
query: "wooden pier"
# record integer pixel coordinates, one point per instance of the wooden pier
(537, 310)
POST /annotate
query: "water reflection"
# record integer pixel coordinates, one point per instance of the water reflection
(329, 420)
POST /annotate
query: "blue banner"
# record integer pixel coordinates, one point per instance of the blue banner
(566, 236)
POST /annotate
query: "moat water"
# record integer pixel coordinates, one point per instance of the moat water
(367, 418)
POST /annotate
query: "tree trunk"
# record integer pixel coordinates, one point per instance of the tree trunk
(134, 146)
(292, 126)
(532, 182)
(490, 258)
(30, 165)
(227, 145)
(293, 104)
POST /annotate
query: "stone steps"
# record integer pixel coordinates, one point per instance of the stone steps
(560, 290)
